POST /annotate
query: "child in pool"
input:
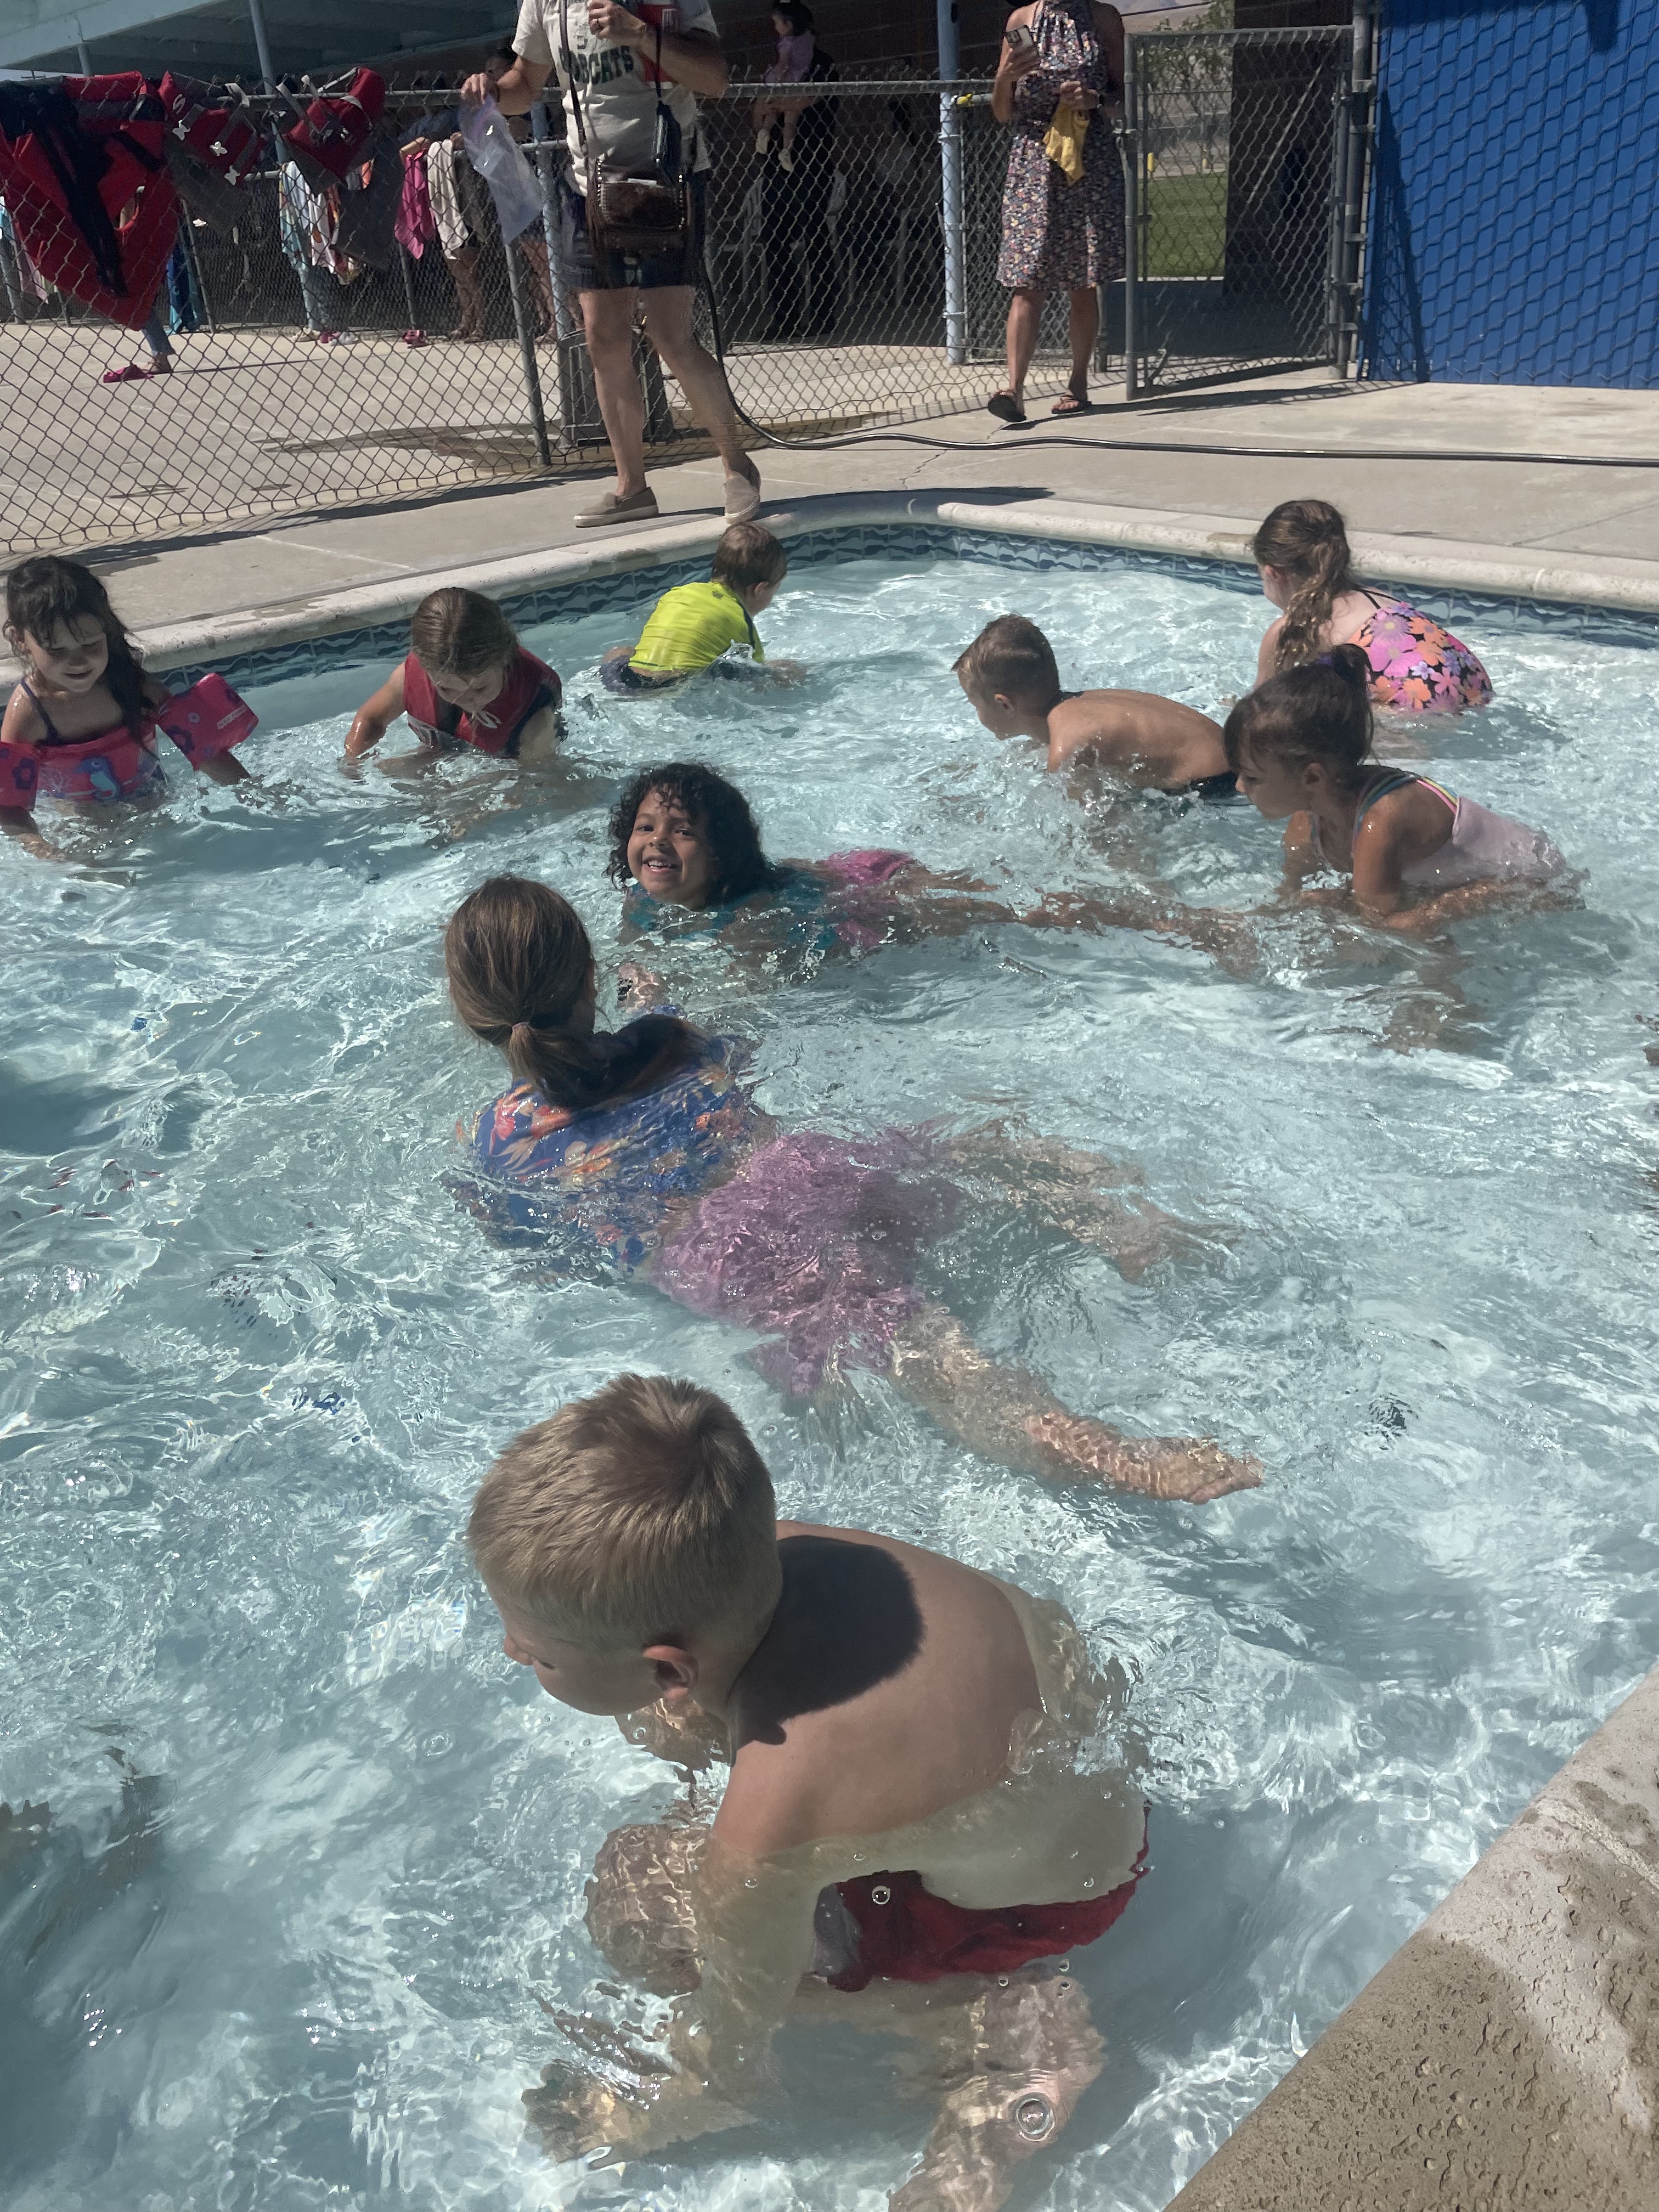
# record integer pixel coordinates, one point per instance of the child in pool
(683, 839)
(1301, 744)
(81, 724)
(643, 1154)
(913, 1839)
(1415, 665)
(712, 625)
(466, 682)
(1012, 683)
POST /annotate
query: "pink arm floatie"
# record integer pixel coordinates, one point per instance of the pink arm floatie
(207, 720)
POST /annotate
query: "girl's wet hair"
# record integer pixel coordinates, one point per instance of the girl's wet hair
(519, 961)
(47, 594)
(1320, 712)
(459, 633)
(1306, 540)
(721, 814)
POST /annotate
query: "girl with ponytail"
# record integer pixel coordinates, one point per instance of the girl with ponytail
(641, 1152)
(1414, 665)
(1300, 745)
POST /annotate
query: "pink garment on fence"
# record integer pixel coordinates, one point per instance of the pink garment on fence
(416, 226)
(814, 1244)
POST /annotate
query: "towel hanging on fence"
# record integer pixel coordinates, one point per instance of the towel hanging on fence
(1064, 143)
(446, 202)
(415, 227)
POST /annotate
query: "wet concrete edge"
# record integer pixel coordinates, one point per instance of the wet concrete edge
(1507, 2056)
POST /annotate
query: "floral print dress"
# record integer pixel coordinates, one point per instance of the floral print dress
(1055, 235)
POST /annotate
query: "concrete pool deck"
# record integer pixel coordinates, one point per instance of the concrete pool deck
(1586, 527)
(1508, 2055)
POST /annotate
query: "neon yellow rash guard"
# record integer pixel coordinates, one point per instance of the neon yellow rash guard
(693, 625)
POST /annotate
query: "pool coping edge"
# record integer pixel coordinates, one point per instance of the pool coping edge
(1508, 2037)
(1615, 585)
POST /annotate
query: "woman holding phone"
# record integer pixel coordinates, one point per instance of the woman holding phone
(1060, 82)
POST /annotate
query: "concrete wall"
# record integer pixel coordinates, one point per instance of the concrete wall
(1507, 2057)
(1512, 218)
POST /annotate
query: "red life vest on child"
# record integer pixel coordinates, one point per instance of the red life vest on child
(530, 685)
(207, 720)
(75, 158)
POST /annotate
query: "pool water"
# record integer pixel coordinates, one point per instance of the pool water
(317, 1850)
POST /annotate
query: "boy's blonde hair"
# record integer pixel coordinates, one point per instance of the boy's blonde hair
(1009, 655)
(748, 554)
(642, 1514)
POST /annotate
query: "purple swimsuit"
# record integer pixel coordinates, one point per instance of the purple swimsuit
(809, 1240)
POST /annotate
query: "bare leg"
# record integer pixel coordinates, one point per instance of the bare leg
(1024, 316)
(535, 254)
(608, 319)
(463, 272)
(1009, 1416)
(1085, 331)
(1068, 1190)
(1012, 2066)
(668, 326)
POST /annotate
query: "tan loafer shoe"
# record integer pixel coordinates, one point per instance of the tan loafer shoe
(638, 507)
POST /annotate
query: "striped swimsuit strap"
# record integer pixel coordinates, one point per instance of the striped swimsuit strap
(1383, 781)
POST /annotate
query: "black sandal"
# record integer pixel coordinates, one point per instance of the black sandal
(1005, 407)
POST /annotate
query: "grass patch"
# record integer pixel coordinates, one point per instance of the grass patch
(1187, 225)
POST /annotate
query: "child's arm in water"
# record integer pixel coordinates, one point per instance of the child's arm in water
(375, 716)
(538, 740)
(19, 823)
(20, 726)
(1267, 659)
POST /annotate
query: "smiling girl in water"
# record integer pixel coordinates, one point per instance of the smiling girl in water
(1301, 746)
(685, 842)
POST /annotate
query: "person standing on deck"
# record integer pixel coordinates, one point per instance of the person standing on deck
(1060, 82)
(614, 54)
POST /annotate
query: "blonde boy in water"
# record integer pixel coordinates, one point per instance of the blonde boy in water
(909, 1839)
(1012, 682)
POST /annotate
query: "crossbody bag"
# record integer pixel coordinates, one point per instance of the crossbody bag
(632, 207)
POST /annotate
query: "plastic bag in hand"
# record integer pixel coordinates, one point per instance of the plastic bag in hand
(494, 153)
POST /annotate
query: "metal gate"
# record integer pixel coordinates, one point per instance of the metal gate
(1244, 160)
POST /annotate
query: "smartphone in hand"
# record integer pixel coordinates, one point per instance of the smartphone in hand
(1019, 37)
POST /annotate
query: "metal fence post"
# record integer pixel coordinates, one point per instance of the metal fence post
(1357, 121)
(949, 141)
(532, 375)
(1129, 150)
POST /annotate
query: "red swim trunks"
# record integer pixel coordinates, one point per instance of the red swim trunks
(906, 1934)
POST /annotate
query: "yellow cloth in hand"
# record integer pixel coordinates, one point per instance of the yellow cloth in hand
(1064, 143)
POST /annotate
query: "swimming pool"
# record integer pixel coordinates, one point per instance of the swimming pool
(255, 1363)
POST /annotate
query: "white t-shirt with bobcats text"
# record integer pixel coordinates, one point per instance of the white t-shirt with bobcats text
(617, 85)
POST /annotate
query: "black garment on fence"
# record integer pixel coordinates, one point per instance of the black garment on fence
(795, 211)
(368, 215)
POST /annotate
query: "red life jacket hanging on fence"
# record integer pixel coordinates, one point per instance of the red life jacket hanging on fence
(83, 171)
(332, 134)
(226, 138)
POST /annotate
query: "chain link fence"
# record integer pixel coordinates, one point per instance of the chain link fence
(324, 353)
(1238, 148)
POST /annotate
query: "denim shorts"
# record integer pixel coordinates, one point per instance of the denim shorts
(583, 270)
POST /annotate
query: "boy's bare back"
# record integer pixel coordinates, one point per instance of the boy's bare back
(888, 1688)
(1151, 741)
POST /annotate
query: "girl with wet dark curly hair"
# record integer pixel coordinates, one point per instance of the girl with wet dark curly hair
(683, 838)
